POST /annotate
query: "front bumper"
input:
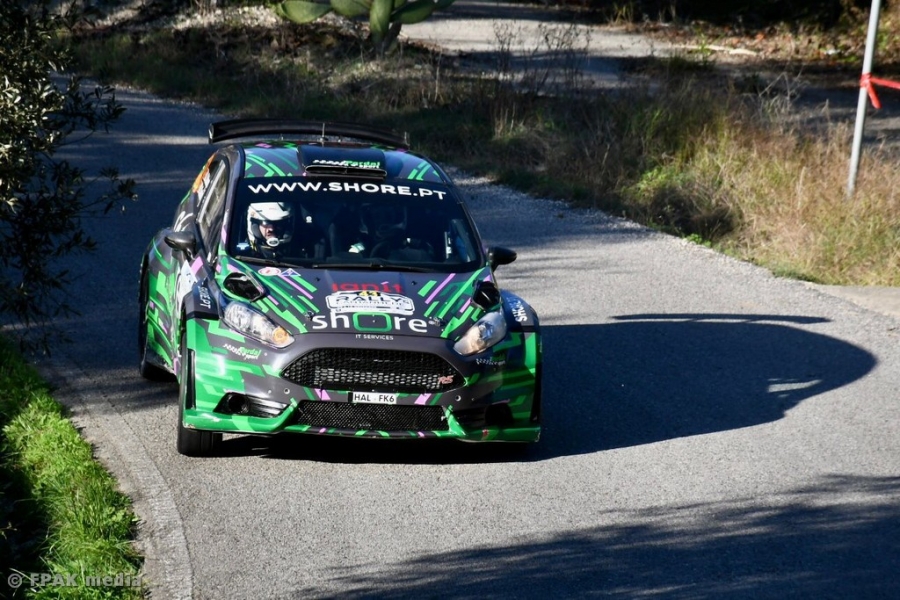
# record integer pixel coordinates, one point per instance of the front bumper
(241, 388)
(287, 422)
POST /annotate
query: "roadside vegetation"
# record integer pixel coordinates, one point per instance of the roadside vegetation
(720, 160)
(43, 198)
(61, 515)
(62, 520)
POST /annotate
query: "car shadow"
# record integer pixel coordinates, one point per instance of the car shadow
(636, 380)
(654, 377)
(340, 450)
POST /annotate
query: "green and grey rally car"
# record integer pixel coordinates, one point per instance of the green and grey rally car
(321, 278)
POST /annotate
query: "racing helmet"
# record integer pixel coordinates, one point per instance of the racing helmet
(280, 215)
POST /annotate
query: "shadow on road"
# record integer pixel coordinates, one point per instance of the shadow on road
(652, 378)
(809, 542)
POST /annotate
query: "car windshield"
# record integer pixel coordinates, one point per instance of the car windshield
(352, 224)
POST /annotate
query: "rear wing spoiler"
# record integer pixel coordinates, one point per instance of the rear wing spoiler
(238, 128)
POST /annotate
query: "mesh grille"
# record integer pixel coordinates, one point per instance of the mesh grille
(378, 417)
(364, 370)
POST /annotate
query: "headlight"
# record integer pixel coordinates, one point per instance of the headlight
(490, 329)
(244, 319)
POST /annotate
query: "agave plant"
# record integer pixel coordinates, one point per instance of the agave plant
(386, 17)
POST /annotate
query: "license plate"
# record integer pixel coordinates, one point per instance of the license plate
(374, 398)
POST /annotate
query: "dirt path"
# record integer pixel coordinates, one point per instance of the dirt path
(536, 37)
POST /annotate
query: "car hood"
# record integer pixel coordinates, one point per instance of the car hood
(366, 302)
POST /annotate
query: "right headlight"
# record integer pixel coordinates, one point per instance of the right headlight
(244, 319)
(490, 329)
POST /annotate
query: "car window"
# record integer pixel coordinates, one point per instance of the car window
(413, 224)
(211, 202)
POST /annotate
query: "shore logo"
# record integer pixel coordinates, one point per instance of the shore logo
(369, 322)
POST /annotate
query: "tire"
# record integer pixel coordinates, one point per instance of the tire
(147, 369)
(192, 442)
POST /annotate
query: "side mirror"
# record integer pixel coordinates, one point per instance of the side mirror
(182, 240)
(498, 255)
(243, 286)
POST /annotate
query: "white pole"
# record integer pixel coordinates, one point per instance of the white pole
(863, 98)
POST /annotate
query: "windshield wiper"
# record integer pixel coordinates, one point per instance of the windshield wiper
(374, 265)
(266, 261)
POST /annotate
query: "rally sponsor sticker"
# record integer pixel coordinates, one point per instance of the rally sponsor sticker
(370, 301)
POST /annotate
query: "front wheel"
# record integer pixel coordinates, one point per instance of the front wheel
(192, 442)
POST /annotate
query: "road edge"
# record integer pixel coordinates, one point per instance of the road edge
(160, 540)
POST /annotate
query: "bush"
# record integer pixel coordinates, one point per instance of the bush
(43, 198)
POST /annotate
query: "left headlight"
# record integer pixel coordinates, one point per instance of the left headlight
(490, 329)
(244, 319)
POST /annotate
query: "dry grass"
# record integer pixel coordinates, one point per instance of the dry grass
(798, 221)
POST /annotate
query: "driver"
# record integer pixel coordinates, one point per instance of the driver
(382, 222)
(270, 227)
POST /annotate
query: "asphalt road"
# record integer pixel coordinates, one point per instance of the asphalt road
(710, 430)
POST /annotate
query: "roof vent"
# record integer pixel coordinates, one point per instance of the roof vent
(343, 162)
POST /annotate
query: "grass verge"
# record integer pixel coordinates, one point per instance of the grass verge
(684, 150)
(64, 526)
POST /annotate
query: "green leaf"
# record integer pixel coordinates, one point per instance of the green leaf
(380, 18)
(351, 8)
(300, 11)
(414, 12)
(441, 4)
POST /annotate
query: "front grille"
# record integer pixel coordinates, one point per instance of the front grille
(339, 415)
(361, 370)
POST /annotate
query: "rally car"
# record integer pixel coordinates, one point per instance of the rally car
(321, 278)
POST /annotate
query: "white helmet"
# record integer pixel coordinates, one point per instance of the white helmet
(278, 214)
